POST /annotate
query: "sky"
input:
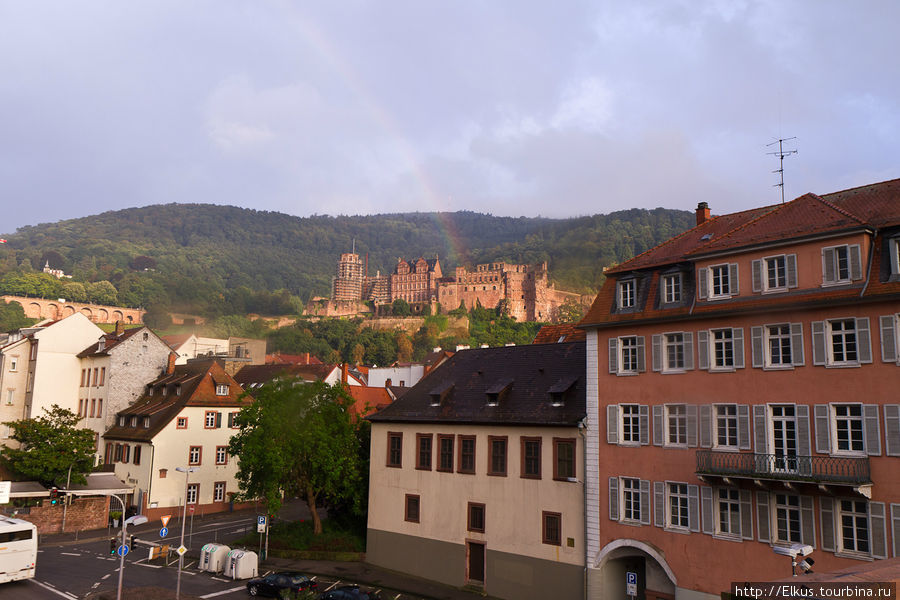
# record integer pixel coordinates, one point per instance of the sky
(508, 107)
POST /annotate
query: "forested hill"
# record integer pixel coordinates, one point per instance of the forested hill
(226, 260)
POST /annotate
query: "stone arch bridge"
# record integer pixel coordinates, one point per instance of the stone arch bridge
(39, 308)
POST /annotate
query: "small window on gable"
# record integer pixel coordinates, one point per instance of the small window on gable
(146, 422)
(627, 293)
(221, 389)
(121, 421)
(841, 264)
(134, 421)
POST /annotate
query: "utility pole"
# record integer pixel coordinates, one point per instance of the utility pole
(781, 154)
(187, 474)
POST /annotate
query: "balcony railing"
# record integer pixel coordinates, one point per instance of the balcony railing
(815, 469)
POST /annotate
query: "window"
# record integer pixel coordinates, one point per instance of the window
(628, 354)
(121, 421)
(723, 349)
(395, 449)
(564, 459)
(219, 491)
(677, 500)
(841, 264)
(551, 530)
(676, 432)
(854, 520)
(531, 457)
(102, 376)
(99, 407)
(96, 375)
(848, 428)
(627, 293)
(118, 455)
(146, 422)
(181, 423)
(14, 366)
(466, 454)
(631, 499)
(221, 455)
(894, 255)
(497, 455)
(674, 354)
(209, 419)
(221, 389)
(778, 344)
(423, 456)
(476, 517)
(194, 454)
(722, 281)
(126, 453)
(631, 423)
(671, 288)
(10, 394)
(729, 510)
(232, 420)
(445, 460)
(134, 421)
(136, 459)
(93, 406)
(83, 371)
(787, 518)
(411, 512)
(726, 426)
(193, 493)
(841, 342)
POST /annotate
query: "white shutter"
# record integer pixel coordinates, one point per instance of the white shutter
(706, 506)
(756, 347)
(818, 336)
(855, 262)
(644, 424)
(688, 351)
(612, 424)
(705, 426)
(791, 267)
(613, 355)
(863, 340)
(892, 429)
(828, 270)
(645, 502)
(762, 516)
(807, 521)
(659, 504)
(823, 429)
(872, 430)
(743, 413)
(737, 339)
(658, 425)
(692, 425)
(826, 516)
(797, 358)
(656, 352)
(746, 515)
(756, 272)
(733, 286)
(613, 498)
(759, 429)
(702, 283)
(888, 338)
(703, 349)
(694, 508)
(877, 523)
(641, 355)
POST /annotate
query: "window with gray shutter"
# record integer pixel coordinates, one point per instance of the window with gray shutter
(612, 424)
(746, 515)
(737, 337)
(855, 262)
(645, 502)
(762, 516)
(863, 340)
(797, 358)
(613, 355)
(733, 287)
(644, 424)
(818, 336)
(760, 440)
(895, 528)
(688, 351)
(702, 283)
(878, 526)
(703, 350)
(641, 358)
(656, 352)
(826, 516)
(613, 498)
(873, 431)
(807, 521)
(756, 271)
(803, 448)
(791, 262)
(888, 338)
(694, 507)
(705, 426)
(892, 429)
(659, 504)
(828, 274)
(756, 347)
(692, 425)
(743, 412)
(823, 429)
(706, 510)
(657, 425)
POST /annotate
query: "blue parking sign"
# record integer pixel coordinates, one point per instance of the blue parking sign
(260, 523)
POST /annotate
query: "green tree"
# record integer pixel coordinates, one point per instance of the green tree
(317, 456)
(571, 311)
(102, 292)
(12, 316)
(74, 291)
(50, 445)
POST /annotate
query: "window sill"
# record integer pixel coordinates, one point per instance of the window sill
(727, 537)
(630, 523)
(836, 283)
(681, 530)
(627, 373)
(423, 468)
(674, 371)
(854, 555)
(712, 298)
(566, 479)
(778, 368)
(722, 369)
(630, 444)
(675, 446)
(855, 365)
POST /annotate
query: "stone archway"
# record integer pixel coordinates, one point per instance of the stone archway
(68, 311)
(87, 312)
(117, 315)
(33, 310)
(655, 578)
(53, 311)
(103, 317)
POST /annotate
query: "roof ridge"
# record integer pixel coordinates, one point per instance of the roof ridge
(865, 185)
(763, 213)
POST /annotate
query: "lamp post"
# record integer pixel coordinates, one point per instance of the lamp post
(66, 499)
(135, 520)
(187, 475)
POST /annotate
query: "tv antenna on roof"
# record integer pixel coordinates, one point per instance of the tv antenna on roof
(781, 154)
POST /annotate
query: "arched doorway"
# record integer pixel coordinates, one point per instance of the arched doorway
(655, 579)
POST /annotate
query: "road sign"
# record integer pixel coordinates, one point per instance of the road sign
(5, 487)
(122, 550)
(631, 583)
(191, 508)
(260, 523)
(163, 532)
(181, 550)
(165, 520)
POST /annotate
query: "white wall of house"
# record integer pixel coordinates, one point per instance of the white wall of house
(407, 376)
(13, 380)
(134, 363)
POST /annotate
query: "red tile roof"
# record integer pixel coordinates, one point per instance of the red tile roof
(554, 334)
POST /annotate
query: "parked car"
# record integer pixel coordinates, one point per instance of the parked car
(348, 592)
(281, 585)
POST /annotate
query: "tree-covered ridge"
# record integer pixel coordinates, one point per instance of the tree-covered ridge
(226, 260)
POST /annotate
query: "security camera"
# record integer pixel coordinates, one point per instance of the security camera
(806, 564)
(794, 550)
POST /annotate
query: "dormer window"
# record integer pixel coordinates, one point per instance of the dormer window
(775, 273)
(671, 288)
(121, 421)
(841, 264)
(627, 293)
(894, 255)
(718, 281)
(221, 389)
(146, 422)
(178, 389)
(497, 391)
(146, 336)
(134, 421)
(559, 389)
(101, 345)
(440, 393)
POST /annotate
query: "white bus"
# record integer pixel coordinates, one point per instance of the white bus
(18, 549)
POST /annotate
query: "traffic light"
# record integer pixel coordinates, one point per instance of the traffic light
(54, 496)
(112, 545)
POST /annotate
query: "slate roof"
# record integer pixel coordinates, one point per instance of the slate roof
(193, 384)
(519, 378)
(255, 375)
(110, 341)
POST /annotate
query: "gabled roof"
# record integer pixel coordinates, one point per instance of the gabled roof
(564, 332)
(467, 388)
(255, 375)
(369, 399)
(110, 341)
(177, 340)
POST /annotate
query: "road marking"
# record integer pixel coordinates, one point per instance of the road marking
(97, 584)
(148, 565)
(223, 592)
(220, 579)
(70, 553)
(105, 576)
(55, 591)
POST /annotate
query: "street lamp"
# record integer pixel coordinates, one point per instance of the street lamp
(187, 474)
(135, 520)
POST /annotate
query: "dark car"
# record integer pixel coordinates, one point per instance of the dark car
(348, 592)
(281, 585)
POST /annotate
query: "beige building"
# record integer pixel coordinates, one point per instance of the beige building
(476, 474)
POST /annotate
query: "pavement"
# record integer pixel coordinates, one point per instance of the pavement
(352, 571)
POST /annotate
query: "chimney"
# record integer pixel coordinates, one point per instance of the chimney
(170, 367)
(120, 328)
(702, 213)
(344, 373)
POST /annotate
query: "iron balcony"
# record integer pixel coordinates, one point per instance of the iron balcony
(814, 469)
